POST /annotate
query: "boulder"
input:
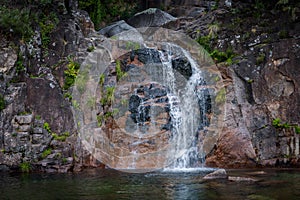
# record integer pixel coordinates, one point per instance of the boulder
(218, 174)
(115, 28)
(151, 17)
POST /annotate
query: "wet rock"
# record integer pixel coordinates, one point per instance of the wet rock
(147, 55)
(183, 66)
(218, 174)
(152, 17)
(241, 179)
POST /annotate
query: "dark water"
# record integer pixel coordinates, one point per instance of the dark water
(110, 184)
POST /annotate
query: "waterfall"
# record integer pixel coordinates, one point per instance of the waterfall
(189, 116)
(158, 118)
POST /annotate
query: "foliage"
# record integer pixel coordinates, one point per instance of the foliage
(71, 73)
(16, 22)
(278, 124)
(107, 10)
(223, 56)
(120, 73)
(25, 167)
(2, 102)
(101, 80)
(46, 153)
(109, 96)
(47, 127)
(47, 24)
(218, 56)
(204, 41)
(62, 137)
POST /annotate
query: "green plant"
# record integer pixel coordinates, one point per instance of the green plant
(108, 97)
(221, 56)
(47, 24)
(62, 137)
(100, 119)
(2, 102)
(68, 96)
(101, 80)
(213, 30)
(38, 117)
(120, 73)
(46, 153)
(71, 72)
(25, 167)
(47, 127)
(90, 48)
(279, 125)
(204, 41)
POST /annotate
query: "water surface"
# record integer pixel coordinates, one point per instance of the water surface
(111, 184)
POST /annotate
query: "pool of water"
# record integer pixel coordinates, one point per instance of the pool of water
(110, 184)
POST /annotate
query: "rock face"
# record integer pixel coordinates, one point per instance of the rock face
(261, 86)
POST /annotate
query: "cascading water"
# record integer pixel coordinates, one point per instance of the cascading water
(188, 113)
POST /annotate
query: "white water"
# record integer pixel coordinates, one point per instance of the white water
(186, 117)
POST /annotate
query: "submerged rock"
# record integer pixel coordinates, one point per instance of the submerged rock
(218, 174)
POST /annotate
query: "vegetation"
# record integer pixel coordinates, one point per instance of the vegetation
(47, 24)
(278, 124)
(2, 102)
(120, 73)
(108, 10)
(62, 137)
(46, 153)
(47, 127)
(16, 22)
(218, 56)
(109, 96)
(25, 167)
(71, 73)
